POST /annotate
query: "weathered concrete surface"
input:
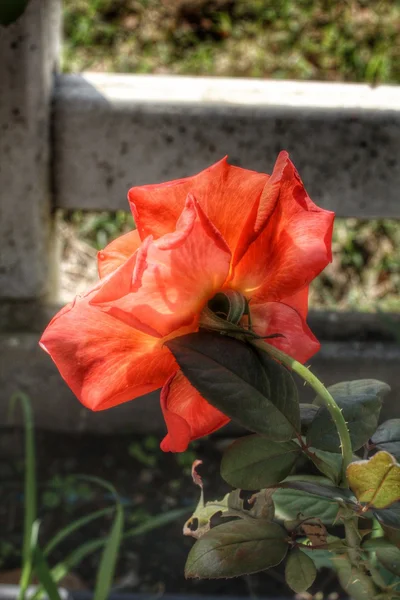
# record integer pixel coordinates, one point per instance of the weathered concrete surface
(24, 366)
(28, 55)
(115, 131)
(334, 326)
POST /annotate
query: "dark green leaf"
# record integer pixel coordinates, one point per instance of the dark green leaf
(390, 558)
(248, 386)
(297, 502)
(389, 516)
(387, 437)
(329, 463)
(361, 402)
(11, 10)
(392, 534)
(253, 462)
(300, 571)
(322, 491)
(237, 548)
(307, 414)
(291, 503)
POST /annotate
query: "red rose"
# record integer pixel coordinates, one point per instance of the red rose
(225, 228)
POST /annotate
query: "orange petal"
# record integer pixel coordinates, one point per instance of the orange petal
(298, 301)
(117, 252)
(274, 317)
(104, 361)
(187, 415)
(178, 273)
(225, 193)
(294, 247)
(262, 210)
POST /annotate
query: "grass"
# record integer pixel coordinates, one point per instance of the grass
(34, 560)
(346, 40)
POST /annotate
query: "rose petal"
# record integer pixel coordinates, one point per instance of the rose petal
(225, 193)
(294, 247)
(298, 301)
(187, 415)
(104, 361)
(180, 271)
(298, 340)
(262, 210)
(117, 252)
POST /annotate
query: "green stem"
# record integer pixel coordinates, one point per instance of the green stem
(353, 541)
(320, 389)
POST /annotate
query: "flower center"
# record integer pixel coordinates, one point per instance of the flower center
(229, 305)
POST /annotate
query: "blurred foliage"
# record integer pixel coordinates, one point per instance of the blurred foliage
(365, 271)
(347, 40)
(100, 228)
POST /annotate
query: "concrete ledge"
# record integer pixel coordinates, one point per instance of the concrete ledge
(115, 131)
(24, 366)
(31, 316)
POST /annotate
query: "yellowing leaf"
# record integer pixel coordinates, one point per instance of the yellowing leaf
(200, 521)
(375, 481)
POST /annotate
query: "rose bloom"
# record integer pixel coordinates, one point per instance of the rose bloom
(226, 228)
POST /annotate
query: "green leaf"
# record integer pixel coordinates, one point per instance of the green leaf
(375, 481)
(390, 558)
(78, 554)
(392, 534)
(387, 437)
(157, 521)
(237, 548)
(322, 559)
(308, 500)
(247, 386)
(300, 571)
(30, 491)
(376, 543)
(322, 491)
(253, 462)
(329, 463)
(307, 414)
(74, 526)
(291, 503)
(258, 505)
(390, 580)
(44, 575)
(357, 589)
(200, 521)
(106, 569)
(389, 516)
(361, 402)
(11, 10)
(389, 519)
